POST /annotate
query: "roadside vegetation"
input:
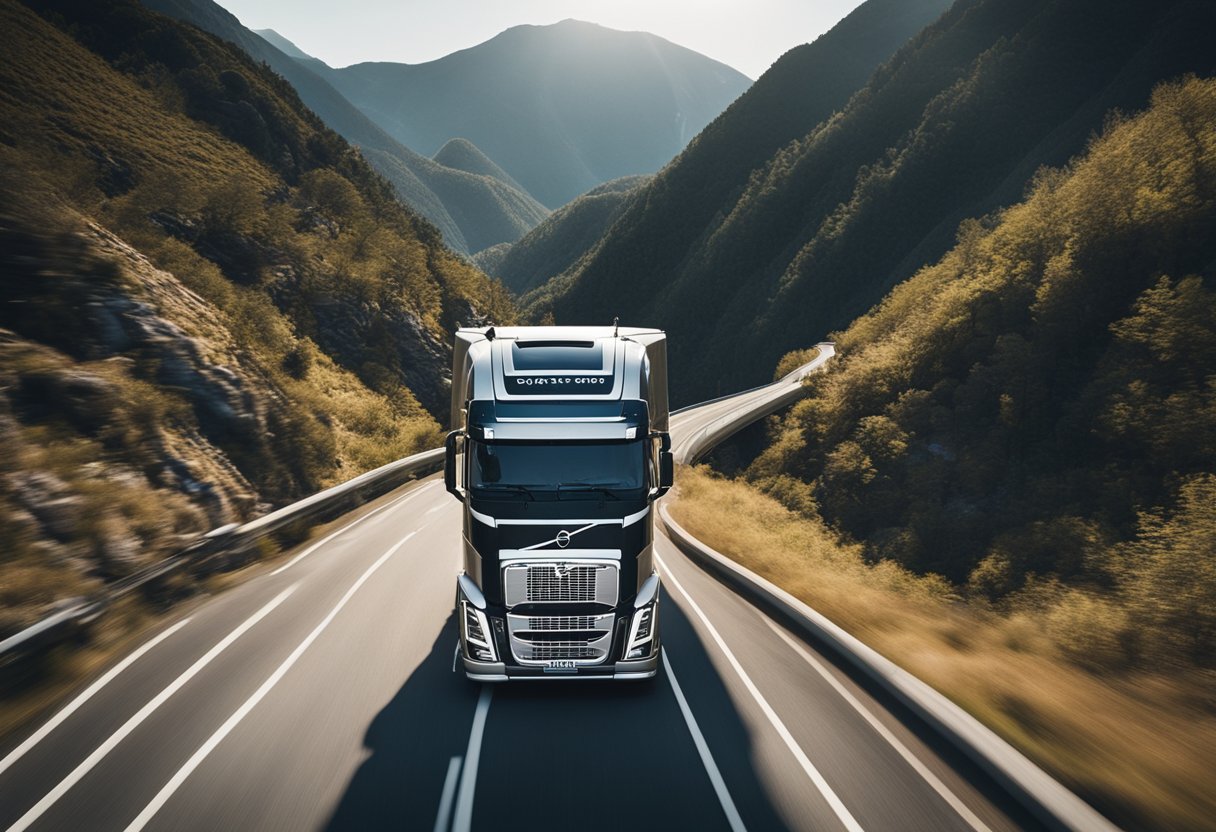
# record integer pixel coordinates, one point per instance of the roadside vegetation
(210, 305)
(1139, 743)
(1006, 481)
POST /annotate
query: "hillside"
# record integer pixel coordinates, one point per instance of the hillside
(952, 126)
(1040, 401)
(560, 108)
(462, 154)
(211, 303)
(560, 241)
(1033, 417)
(472, 211)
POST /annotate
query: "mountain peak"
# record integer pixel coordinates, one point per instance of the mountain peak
(282, 44)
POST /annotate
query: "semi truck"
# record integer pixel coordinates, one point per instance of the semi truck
(559, 450)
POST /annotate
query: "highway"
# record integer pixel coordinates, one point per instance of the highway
(320, 694)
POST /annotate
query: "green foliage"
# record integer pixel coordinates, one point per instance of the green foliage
(1012, 416)
(793, 360)
(561, 240)
(743, 250)
(1170, 577)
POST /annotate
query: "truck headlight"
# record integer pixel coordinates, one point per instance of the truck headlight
(641, 633)
(477, 640)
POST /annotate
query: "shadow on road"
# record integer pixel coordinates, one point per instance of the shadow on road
(560, 755)
(411, 741)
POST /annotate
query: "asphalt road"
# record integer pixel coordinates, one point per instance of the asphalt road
(320, 694)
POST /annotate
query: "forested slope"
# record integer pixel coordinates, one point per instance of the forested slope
(473, 211)
(210, 302)
(560, 241)
(1039, 406)
(952, 126)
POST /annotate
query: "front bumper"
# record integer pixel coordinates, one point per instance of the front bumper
(617, 671)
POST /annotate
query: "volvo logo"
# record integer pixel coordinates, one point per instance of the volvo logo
(563, 538)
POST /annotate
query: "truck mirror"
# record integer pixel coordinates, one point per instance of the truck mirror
(667, 474)
(667, 469)
(449, 465)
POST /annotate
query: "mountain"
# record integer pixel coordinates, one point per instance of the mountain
(560, 108)
(560, 241)
(282, 44)
(210, 303)
(953, 125)
(472, 211)
(462, 154)
(1039, 405)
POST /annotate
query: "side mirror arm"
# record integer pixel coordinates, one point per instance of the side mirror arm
(449, 464)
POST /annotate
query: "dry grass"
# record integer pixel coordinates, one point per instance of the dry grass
(1142, 748)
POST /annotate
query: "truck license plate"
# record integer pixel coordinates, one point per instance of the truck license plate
(561, 664)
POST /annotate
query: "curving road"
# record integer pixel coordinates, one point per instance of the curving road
(320, 694)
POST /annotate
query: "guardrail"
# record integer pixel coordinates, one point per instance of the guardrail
(1035, 789)
(229, 545)
(721, 429)
(221, 548)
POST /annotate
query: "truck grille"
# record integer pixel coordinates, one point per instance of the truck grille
(536, 639)
(560, 583)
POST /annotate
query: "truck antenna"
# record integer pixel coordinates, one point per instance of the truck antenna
(616, 327)
(490, 334)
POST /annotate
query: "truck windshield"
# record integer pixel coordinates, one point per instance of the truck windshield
(593, 467)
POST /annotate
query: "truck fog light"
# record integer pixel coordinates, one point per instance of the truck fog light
(478, 644)
(641, 633)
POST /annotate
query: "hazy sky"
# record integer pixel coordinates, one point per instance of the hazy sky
(746, 34)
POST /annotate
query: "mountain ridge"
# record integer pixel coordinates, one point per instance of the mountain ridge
(582, 103)
(472, 213)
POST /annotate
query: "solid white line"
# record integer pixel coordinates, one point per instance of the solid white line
(937, 785)
(131, 724)
(449, 792)
(707, 759)
(176, 781)
(807, 766)
(468, 780)
(314, 547)
(57, 720)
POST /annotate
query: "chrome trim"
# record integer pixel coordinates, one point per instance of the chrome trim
(648, 592)
(601, 521)
(558, 539)
(471, 591)
(522, 556)
(633, 518)
(542, 647)
(649, 674)
(483, 518)
(561, 419)
(602, 586)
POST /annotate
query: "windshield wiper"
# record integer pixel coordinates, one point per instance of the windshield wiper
(586, 486)
(522, 489)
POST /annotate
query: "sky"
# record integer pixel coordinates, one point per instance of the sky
(745, 34)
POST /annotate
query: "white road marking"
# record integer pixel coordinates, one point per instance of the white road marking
(707, 759)
(449, 792)
(131, 724)
(929, 777)
(439, 507)
(314, 547)
(57, 720)
(176, 781)
(468, 780)
(838, 807)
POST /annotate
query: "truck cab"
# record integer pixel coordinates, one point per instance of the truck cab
(559, 452)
